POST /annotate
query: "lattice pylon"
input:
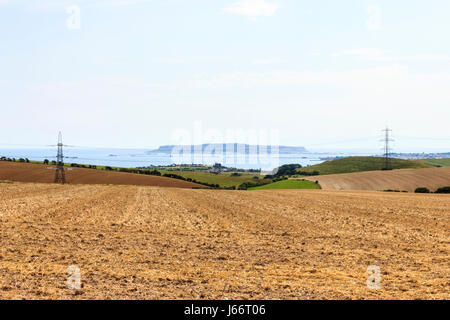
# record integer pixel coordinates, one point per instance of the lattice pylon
(60, 175)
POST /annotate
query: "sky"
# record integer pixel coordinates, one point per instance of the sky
(144, 73)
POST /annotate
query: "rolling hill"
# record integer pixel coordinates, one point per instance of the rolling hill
(29, 172)
(402, 180)
(443, 162)
(359, 164)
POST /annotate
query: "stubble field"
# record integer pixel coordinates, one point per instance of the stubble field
(401, 180)
(134, 242)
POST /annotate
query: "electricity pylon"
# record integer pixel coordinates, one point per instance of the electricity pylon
(387, 149)
(60, 175)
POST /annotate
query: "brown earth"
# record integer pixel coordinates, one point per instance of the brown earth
(31, 172)
(166, 243)
(402, 180)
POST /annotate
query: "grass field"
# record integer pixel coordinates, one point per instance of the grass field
(288, 184)
(438, 162)
(134, 242)
(359, 164)
(222, 179)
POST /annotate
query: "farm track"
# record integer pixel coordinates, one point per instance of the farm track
(135, 242)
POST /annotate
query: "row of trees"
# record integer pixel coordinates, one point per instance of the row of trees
(440, 190)
(248, 185)
(312, 173)
(175, 176)
(290, 170)
(14, 159)
(86, 166)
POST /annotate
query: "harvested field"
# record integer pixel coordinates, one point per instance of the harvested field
(30, 172)
(135, 242)
(402, 180)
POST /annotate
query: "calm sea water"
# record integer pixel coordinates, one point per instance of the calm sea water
(131, 158)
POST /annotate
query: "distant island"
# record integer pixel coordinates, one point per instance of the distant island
(228, 147)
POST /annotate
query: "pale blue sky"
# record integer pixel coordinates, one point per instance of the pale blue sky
(137, 71)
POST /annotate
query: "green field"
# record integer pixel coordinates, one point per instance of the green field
(174, 169)
(438, 162)
(288, 184)
(358, 164)
(223, 179)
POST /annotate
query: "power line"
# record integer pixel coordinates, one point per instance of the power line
(323, 143)
(424, 138)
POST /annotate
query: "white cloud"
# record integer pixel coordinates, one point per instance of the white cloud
(423, 57)
(374, 54)
(253, 8)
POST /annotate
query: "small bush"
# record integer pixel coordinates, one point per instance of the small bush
(443, 190)
(422, 190)
(248, 185)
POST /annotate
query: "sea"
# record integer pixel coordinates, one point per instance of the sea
(137, 158)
